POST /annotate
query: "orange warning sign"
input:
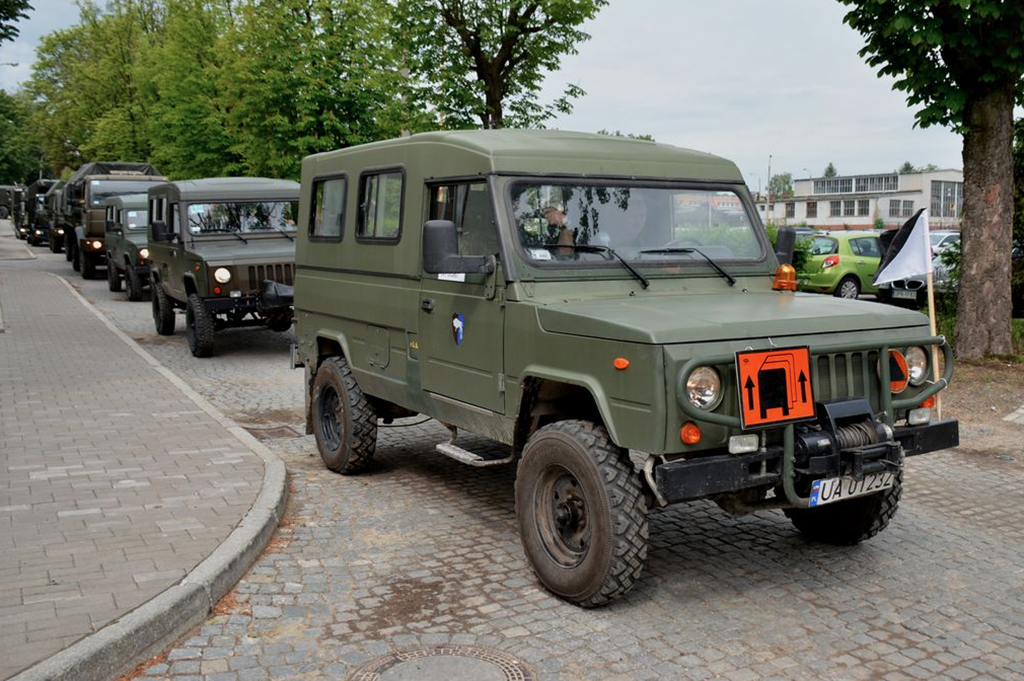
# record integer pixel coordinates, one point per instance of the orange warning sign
(775, 386)
(899, 375)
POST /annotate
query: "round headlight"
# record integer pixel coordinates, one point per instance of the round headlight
(60, 231)
(917, 365)
(97, 245)
(222, 275)
(143, 253)
(704, 388)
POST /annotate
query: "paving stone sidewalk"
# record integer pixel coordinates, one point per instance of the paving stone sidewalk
(114, 482)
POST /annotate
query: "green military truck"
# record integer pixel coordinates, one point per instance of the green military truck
(51, 216)
(83, 207)
(12, 199)
(35, 211)
(612, 311)
(127, 252)
(222, 249)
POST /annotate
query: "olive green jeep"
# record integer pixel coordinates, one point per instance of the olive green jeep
(223, 250)
(127, 252)
(610, 310)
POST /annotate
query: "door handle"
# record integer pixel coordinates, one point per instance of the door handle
(427, 305)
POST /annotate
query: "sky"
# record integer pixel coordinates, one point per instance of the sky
(743, 79)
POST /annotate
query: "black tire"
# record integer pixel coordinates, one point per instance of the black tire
(848, 287)
(846, 523)
(86, 265)
(200, 327)
(3, 212)
(132, 284)
(54, 246)
(279, 324)
(163, 313)
(113, 276)
(344, 421)
(581, 512)
(72, 255)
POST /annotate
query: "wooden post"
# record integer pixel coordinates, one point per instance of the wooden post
(935, 349)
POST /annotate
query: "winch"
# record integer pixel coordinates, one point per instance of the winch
(846, 439)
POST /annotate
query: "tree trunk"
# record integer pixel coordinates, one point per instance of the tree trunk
(983, 309)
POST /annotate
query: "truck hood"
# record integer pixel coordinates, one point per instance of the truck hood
(693, 318)
(259, 250)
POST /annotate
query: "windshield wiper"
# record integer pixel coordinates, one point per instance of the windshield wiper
(718, 268)
(591, 248)
(290, 237)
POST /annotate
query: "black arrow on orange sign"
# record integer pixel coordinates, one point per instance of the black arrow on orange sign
(802, 380)
(749, 385)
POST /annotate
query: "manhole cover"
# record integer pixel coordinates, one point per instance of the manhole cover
(444, 664)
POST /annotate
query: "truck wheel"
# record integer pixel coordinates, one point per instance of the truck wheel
(849, 287)
(86, 265)
(199, 327)
(279, 324)
(344, 421)
(846, 523)
(113, 277)
(54, 248)
(163, 313)
(132, 284)
(76, 265)
(581, 512)
(3, 213)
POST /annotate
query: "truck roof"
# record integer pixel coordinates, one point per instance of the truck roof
(129, 201)
(120, 169)
(222, 188)
(552, 152)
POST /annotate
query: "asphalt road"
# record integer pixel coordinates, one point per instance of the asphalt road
(422, 551)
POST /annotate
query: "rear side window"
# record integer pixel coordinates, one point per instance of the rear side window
(823, 245)
(327, 212)
(380, 206)
(867, 248)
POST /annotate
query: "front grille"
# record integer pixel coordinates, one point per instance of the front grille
(844, 375)
(908, 284)
(282, 273)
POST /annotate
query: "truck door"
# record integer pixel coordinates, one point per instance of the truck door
(461, 320)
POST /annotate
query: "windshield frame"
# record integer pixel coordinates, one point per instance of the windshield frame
(273, 232)
(654, 267)
(143, 188)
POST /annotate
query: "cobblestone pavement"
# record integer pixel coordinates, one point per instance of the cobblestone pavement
(114, 483)
(422, 551)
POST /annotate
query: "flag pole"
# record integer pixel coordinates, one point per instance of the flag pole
(935, 350)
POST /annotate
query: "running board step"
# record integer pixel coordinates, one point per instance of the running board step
(469, 458)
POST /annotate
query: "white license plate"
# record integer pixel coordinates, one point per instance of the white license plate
(903, 294)
(831, 490)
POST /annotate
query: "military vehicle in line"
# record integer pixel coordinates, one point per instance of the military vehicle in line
(127, 251)
(222, 249)
(35, 211)
(12, 204)
(51, 216)
(610, 310)
(83, 207)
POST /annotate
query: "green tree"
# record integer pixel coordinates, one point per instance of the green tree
(781, 185)
(961, 63)
(21, 156)
(830, 170)
(619, 133)
(11, 11)
(482, 62)
(907, 167)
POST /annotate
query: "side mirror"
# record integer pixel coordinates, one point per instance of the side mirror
(785, 245)
(161, 233)
(441, 251)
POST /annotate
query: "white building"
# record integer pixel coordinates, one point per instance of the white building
(858, 201)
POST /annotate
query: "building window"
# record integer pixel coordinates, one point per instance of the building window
(380, 206)
(894, 208)
(812, 209)
(834, 185)
(849, 208)
(878, 183)
(863, 206)
(835, 209)
(790, 210)
(947, 199)
(908, 208)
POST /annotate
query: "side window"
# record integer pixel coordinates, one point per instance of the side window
(172, 215)
(380, 206)
(870, 248)
(327, 212)
(469, 207)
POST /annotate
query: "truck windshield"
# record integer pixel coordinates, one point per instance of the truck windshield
(136, 219)
(101, 190)
(247, 217)
(656, 225)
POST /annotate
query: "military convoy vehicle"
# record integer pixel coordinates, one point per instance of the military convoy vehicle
(12, 199)
(222, 249)
(51, 216)
(83, 207)
(127, 253)
(611, 311)
(35, 212)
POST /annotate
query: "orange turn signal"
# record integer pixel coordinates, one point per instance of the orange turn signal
(197, 268)
(785, 278)
(621, 363)
(690, 433)
(929, 403)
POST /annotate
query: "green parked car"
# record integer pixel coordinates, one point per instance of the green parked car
(127, 253)
(841, 263)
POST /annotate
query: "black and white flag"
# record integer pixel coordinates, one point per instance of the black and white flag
(910, 253)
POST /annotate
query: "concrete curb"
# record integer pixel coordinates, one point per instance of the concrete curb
(150, 628)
